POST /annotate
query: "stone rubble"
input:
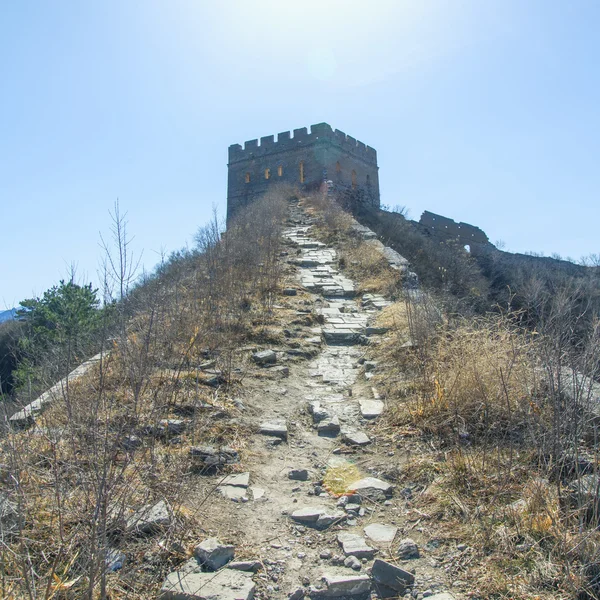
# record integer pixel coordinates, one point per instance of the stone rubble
(213, 554)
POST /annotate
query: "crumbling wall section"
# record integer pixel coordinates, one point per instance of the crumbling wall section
(444, 227)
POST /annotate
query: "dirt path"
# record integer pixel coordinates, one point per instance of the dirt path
(295, 550)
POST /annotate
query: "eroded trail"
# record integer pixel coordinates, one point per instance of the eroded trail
(314, 429)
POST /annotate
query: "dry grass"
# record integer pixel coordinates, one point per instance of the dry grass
(181, 353)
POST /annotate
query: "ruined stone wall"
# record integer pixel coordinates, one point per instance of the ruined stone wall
(445, 227)
(304, 159)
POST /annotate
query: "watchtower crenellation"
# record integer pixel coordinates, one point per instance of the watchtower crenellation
(303, 158)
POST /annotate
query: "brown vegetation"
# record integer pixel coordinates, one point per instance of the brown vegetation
(119, 438)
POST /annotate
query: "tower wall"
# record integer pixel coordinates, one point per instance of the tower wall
(324, 154)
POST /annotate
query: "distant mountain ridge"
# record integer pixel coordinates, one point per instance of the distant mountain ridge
(8, 315)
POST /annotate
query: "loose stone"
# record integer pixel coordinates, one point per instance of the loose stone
(150, 519)
(381, 534)
(226, 584)
(391, 576)
(275, 428)
(408, 549)
(298, 474)
(372, 488)
(213, 553)
(347, 586)
(355, 545)
(352, 563)
(265, 357)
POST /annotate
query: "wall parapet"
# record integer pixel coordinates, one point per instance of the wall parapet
(440, 225)
(301, 137)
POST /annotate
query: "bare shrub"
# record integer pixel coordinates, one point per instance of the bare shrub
(118, 439)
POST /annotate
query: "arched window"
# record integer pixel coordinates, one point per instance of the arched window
(247, 178)
(301, 171)
(279, 170)
(353, 179)
(267, 173)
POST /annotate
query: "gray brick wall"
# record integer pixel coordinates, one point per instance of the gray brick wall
(323, 153)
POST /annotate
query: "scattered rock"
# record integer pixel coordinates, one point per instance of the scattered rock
(391, 576)
(213, 554)
(227, 584)
(170, 427)
(325, 554)
(408, 549)
(298, 474)
(209, 458)
(232, 492)
(381, 534)
(275, 428)
(257, 493)
(355, 545)
(329, 426)
(370, 409)
(317, 411)
(150, 518)
(297, 594)
(289, 292)
(114, 560)
(441, 596)
(356, 438)
(372, 488)
(353, 563)
(265, 357)
(10, 517)
(339, 585)
(584, 495)
(245, 565)
(307, 515)
(326, 520)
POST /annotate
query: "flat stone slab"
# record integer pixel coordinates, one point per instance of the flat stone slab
(257, 492)
(233, 492)
(308, 515)
(347, 585)
(391, 576)
(329, 426)
(150, 518)
(355, 545)
(442, 596)
(227, 584)
(265, 357)
(275, 427)
(372, 488)
(370, 409)
(327, 519)
(381, 534)
(356, 438)
(341, 336)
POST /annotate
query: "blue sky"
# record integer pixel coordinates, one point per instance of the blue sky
(486, 112)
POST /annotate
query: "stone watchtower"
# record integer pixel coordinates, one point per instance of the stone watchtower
(306, 159)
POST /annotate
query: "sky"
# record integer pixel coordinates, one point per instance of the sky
(485, 112)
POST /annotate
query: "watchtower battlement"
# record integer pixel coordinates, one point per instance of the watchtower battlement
(286, 142)
(304, 158)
